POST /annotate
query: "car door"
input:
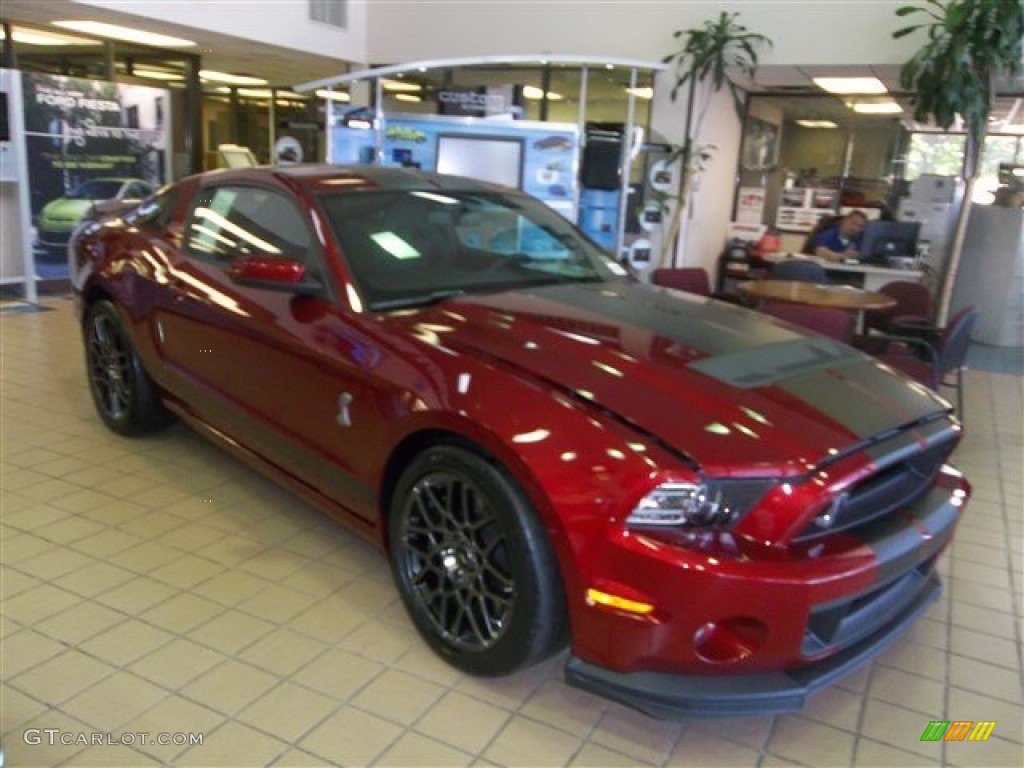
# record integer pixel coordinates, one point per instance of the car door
(260, 364)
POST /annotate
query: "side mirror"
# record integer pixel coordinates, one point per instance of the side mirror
(272, 274)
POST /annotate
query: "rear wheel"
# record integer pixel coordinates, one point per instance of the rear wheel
(122, 391)
(474, 564)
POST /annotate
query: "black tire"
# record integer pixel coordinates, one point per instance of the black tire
(474, 565)
(122, 391)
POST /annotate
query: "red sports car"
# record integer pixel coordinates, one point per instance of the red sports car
(718, 512)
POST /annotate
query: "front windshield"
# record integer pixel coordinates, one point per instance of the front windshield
(413, 247)
(97, 189)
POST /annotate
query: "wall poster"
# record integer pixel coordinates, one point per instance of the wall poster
(86, 141)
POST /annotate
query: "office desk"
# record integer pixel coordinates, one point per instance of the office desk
(867, 276)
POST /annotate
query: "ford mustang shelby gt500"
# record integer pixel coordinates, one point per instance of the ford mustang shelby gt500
(718, 512)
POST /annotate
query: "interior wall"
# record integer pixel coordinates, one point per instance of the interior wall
(808, 33)
(286, 24)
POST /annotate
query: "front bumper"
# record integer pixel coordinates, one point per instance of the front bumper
(673, 697)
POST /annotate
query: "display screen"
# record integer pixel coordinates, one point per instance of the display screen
(883, 239)
(487, 158)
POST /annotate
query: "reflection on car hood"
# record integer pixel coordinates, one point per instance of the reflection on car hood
(65, 208)
(720, 383)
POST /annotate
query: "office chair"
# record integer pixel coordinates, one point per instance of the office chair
(804, 270)
(834, 323)
(938, 364)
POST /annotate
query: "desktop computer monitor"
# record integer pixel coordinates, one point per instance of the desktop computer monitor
(883, 239)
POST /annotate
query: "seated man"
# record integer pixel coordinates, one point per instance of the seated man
(842, 239)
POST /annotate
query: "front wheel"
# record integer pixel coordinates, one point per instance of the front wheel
(122, 391)
(474, 565)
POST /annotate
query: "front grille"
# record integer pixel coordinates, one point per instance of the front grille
(842, 624)
(893, 486)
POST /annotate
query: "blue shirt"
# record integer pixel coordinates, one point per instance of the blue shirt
(830, 239)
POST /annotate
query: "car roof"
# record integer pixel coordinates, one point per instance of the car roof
(340, 178)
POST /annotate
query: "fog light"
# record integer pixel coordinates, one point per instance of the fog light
(729, 640)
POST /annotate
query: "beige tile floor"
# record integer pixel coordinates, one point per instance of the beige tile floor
(158, 586)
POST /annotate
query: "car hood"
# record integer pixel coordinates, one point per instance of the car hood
(726, 386)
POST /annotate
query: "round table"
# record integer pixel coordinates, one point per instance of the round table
(833, 296)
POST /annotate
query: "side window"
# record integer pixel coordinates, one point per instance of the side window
(232, 221)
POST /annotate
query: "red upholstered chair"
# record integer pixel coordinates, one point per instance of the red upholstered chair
(913, 309)
(834, 323)
(689, 279)
(936, 365)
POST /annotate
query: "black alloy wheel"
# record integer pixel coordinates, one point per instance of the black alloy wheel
(474, 565)
(123, 393)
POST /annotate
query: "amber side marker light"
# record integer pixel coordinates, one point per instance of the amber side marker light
(597, 597)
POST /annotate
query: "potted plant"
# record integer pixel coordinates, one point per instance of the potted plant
(969, 44)
(712, 55)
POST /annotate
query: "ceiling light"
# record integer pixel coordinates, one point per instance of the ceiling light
(407, 97)
(323, 93)
(877, 108)
(851, 84)
(212, 76)
(157, 74)
(127, 34)
(396, 86)
(40, 37)
(532, 92)
(642, 93)
(817, 123)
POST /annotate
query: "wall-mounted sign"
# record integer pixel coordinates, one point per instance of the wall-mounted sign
(650, 217)
(287, 151)
(478, 102)
(662, 177)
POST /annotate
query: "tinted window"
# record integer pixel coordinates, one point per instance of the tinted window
(230, 221)
(409, 247)
(137, 190)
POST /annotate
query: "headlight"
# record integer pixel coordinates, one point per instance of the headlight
(715, 504)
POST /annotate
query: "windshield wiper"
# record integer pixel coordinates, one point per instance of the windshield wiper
(419, 300)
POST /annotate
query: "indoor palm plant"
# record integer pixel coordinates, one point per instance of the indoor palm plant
(969, 45)
(711, 58)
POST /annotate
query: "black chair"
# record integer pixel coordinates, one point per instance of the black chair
(803, 270)
(936, 365)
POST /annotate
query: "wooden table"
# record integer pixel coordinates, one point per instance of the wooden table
(833, 296)
(846, 297)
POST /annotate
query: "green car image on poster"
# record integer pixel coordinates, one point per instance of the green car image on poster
(59, 217)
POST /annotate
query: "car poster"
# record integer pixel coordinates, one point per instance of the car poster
(87, 140)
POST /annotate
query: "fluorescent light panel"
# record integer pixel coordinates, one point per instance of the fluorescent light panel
(115, 32)
(534, 93)
(157, 74)
(641, 93)
(41, 37)
(399, 86)
(407, 97)
(212, 76)
(877, 108)
(323, 93)
(817, 124)
(851, 84)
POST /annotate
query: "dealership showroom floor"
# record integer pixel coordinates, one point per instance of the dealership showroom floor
(158, 586)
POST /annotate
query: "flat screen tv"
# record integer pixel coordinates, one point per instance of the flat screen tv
(496, 159)
(883, 239)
